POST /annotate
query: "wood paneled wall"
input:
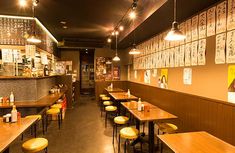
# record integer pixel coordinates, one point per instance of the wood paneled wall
(194, 113)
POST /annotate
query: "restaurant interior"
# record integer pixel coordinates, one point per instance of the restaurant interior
(117, 76)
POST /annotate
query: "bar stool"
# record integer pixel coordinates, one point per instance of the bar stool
(119, 120)
(109, 110)
(128, 133)
(58, 106)
(168, 128)
(39, 118)
(35, 145)
(51, 112)
(105, 103)
(102, 99)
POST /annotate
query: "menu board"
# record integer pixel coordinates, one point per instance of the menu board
(220, 48)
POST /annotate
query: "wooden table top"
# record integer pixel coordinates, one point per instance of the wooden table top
(10, 131)
(110, 90)
(152, 114)
(196, 142)
(122, 96)
(133, 105)
(43, 102)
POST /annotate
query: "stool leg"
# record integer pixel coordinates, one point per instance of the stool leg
(106, 116)
(116, 130)
(46, 122)
(59, 120)
(35, 130)
(43, 127)
(113, 131)
(125, 146)
(119, 143)
(46, 150)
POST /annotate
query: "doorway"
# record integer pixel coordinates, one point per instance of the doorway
(87, 86)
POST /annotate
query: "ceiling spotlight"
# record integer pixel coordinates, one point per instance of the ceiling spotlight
(65, 27)
(121, 28)
(132, 14)
(109, 40)
(62, 22)
(116, 33)
(22, 3)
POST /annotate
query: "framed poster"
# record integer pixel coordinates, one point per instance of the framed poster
(220, 48)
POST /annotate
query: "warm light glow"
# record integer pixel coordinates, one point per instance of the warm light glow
(33, 39)
(22, 3)
(116, 58)
(121, 28)
(116, 33)
(113, 33)
(132, 15)
(109, 40)
(134, 51)
(175, 34)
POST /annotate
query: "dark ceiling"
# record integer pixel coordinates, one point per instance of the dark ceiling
(93, 20)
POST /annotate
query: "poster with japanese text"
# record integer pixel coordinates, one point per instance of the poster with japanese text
(202, 52)
(188, 54)
(231, 15)
(187, 76)
(221, 10)
(188, 30)
(220, 48)
(195, 28)
(177, 56)
(211, 21)
(202, 25)
(230, 50)
(182, 47)
(194, 53)
(167, 57)
(172, 52)
(182, 27)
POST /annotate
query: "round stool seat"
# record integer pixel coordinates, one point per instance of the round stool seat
(129, 133)
(34, 116)
(105, 98)
(121, 119)
(56, 106)
(53, 111)
(102, 95)
(167, 127)
(34, 145)
(110, 108)
(107, 103)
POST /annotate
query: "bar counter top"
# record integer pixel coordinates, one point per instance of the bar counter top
(43, 102)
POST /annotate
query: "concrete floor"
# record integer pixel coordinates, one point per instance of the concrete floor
(82, 131)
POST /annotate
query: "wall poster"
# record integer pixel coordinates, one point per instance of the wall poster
(188, 30)
(182, 27)
(231, 15)
(188, 54)
(220, 48)
(164, 78)
(177, 55)
(167, 57)
(147, 76)
(187, 76)
(172, 51)
(231, 83)
(182, 47)
(195, 28)
(194, 53)
(211, 21)
(202, 52)
(202, 25)
(221, 10)
(230, 50)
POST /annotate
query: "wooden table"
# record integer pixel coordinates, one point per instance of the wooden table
(121, 96)
(150, 116)
(134, 105)
(110, 90)
(196, 142)
(10, 131)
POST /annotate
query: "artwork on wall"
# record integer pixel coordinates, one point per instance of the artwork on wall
(187, 76)
(116, 72)
(220, 48)
(164, 78)
(230, 50)
(231, 15)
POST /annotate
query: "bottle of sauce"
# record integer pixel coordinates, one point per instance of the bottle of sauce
(12, 97)
(139, 105)
(14, 114)
(128, 93)
(46, 71)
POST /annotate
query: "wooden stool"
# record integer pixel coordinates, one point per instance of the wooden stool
(128, 133)
(35, 145)
(119, 120)
(108, 110)
(53, 111)
(35, 125)
(104, 98)
(105, 103)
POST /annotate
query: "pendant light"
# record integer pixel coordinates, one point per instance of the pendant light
(134, 50)
(175, 34)
(33, 38)
(116, 58)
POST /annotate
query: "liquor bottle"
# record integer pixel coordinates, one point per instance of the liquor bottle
(12, 98)
(46, 71)
(13, 114)
(139, 105)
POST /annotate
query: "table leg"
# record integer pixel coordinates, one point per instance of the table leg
(7, 150)
(119, 109)
(137, 124)
(151, 137)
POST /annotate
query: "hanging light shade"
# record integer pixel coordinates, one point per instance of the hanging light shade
(134, 50)
(175, 34)
(33, 39)
(116, 58)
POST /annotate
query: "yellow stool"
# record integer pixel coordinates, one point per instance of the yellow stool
(35, 126)
(35, 145)
(102, 95)
(53, 111)
(109, 110)
(119, 120)
(105, 98)
(107, 103)
(57, 106)
(128, 133)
